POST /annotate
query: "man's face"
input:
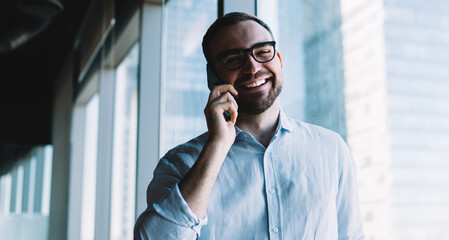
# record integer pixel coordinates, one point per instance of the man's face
(258, 84)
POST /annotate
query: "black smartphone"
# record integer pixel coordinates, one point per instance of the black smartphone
(213, 80)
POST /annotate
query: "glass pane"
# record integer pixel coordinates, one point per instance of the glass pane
(89, 169)
(376, 72)
(417, 89)
(19, 190)
(185, 86)
(5, 194)
(48, 160)
(124, 150)
(286, 25)
(23, 183)
(32, 184)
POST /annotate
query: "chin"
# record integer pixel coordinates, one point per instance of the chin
(258, 107)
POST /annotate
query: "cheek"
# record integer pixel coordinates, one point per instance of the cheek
(229, 78)
(224, 75)
(276, 68)
(278, 74)
(279, 79)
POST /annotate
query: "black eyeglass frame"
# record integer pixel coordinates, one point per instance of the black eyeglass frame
(221, 55)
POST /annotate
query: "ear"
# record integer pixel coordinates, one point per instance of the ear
(279, 56)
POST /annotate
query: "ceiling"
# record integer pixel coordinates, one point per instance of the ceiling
(35, 36)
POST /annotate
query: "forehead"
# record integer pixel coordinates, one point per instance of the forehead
(241, 35)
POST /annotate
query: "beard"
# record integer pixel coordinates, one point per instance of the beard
(257, 103)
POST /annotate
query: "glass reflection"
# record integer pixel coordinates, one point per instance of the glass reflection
(124, 147)
(89, 169)
(185, 87)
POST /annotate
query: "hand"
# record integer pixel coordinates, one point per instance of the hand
(221, 100)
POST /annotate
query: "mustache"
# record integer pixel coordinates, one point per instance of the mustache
(260, 74)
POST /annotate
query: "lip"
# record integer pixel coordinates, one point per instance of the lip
(243, 85)
(255, 81)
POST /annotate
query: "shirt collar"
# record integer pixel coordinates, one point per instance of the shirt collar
(285, 123)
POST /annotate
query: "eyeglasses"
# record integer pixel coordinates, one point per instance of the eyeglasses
(235, 58)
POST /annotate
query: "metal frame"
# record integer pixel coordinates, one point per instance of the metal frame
(148, 145)
(76, 169)
(39, 179)
(101, 82)
(104, 154)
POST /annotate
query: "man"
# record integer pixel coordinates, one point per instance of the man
(258, 174)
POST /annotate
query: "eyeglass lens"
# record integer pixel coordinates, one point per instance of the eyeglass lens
(261, 53)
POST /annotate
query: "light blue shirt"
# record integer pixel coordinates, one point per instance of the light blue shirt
(302, 186)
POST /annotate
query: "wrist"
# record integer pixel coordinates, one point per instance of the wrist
(218, 145)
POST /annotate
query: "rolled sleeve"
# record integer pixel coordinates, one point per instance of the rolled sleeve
(168, 216)
(175, 209)
(170, 219)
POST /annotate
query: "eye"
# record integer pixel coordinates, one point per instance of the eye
(263, 53)
(232, 59)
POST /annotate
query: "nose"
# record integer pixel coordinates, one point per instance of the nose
(251, 65)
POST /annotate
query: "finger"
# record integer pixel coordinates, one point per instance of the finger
(227, 88)
(218, 90)
(220, 107)
(234, 113)
(225, 97)
(234, 102)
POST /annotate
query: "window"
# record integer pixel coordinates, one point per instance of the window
(185, 89)
(124, 148)
(373, 71)
(5, 193)
(84, 160)
(287, 27)
(25, 195)
(89, 169)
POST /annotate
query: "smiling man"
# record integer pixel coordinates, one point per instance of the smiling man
(256, 174)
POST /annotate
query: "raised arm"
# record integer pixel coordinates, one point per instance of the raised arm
(197, 185)
(182, 200)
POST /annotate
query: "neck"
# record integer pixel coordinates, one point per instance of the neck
(261, 126)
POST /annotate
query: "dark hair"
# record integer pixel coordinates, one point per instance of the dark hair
(224, 21)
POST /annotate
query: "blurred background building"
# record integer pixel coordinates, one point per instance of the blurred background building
(95, 92)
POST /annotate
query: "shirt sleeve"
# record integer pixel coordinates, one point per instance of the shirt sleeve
(168, 216)
(350, 225)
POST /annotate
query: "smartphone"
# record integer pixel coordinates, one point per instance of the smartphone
(213, 80)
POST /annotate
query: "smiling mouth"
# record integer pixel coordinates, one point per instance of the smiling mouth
(255, 84)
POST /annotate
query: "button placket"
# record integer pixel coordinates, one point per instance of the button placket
(272, 198)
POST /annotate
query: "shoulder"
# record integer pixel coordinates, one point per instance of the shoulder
(188, 151)
(322, 143)
(178, 161)
(313, 132)
(319, 139)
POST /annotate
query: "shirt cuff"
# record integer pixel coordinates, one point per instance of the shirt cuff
(175, 209)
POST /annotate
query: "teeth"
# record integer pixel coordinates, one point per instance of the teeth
(255, 84)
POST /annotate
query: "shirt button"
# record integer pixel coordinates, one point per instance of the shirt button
(271, 190)
(275, 229)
